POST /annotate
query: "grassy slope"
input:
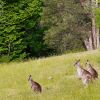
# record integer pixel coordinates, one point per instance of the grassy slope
(63, 86)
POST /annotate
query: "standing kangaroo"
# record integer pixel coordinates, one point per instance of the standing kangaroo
(36, 87)
(82, 73)
(91, 70)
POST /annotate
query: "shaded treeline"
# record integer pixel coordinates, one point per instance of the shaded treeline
(34, 28)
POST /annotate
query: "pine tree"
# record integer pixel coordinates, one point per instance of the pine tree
(17, 20)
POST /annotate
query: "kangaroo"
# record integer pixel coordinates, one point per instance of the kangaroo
(91, 70)
(83, 74)
(36, 87)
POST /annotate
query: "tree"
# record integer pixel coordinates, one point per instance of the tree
(93, 41)
(18, 22)
(67, 25)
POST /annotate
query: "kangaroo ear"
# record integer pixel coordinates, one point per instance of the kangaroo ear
(87, 61)
(79, 60)
(30, 75)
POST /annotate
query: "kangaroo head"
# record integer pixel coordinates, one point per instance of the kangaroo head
(88, 64)
(30, 77)
(77, 63)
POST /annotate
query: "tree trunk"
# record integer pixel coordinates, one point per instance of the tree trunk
(93, 31)
(88, 43)
(93, 42)
(97, 31)
(98, 38)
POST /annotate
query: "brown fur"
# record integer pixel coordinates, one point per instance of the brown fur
(92, 70)
(83, 73)
(36, 87)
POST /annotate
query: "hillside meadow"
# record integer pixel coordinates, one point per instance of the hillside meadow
(56, 74)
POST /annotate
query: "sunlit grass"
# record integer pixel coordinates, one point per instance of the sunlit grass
(57, 75)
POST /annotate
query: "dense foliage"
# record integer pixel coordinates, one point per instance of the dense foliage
(34, 28)
(68, 25)
(20, 34)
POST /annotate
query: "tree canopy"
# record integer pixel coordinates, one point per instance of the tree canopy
(34, 28)
(19, 22)
(66, 21)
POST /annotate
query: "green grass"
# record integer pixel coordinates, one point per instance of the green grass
(64, 85)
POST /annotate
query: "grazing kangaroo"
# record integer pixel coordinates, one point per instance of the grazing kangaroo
(36, 87)
(91, 70)
(82, 73)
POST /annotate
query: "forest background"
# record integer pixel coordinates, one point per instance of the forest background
(38, 28)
